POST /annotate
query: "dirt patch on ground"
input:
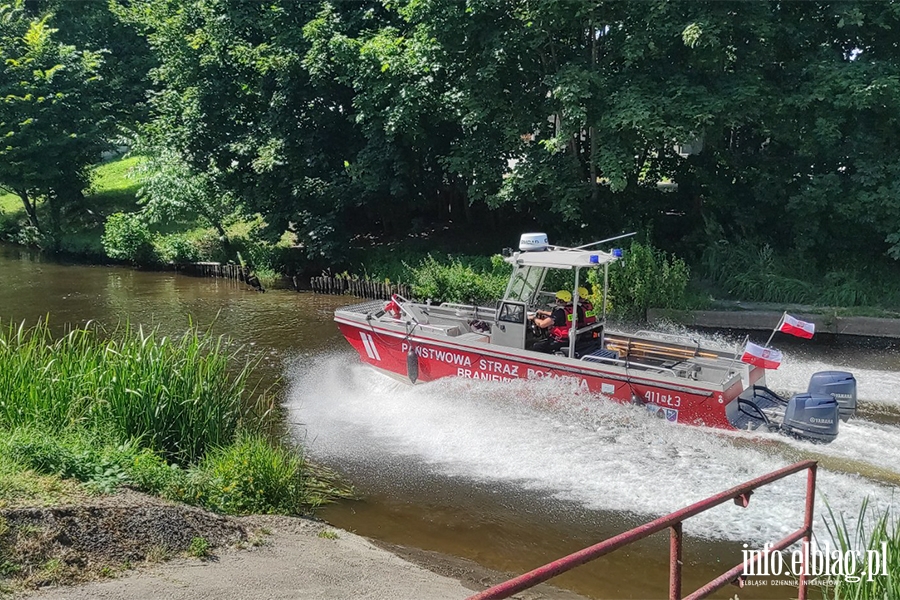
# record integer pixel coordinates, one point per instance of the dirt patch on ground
(97, 538)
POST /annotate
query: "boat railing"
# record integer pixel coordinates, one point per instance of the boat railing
(589, 328)
(363, 308)
(674, 523)
(469, 310)
(629, 364)
(451, 330)
(628, 346)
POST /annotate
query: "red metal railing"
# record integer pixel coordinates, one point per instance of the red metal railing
(740, 495)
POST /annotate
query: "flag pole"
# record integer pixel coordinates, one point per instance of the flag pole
(777, 327)
(737, 353)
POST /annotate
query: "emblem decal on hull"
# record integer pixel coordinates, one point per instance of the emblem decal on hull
(369, 343)
(661, 412)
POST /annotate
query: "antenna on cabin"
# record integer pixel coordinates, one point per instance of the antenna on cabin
(612, 239)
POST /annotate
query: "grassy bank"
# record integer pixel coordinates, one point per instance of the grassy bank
(112, 190)
(172, 417)
(113, 198)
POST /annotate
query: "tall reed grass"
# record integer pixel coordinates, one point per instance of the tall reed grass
(872, 532)
(181, 396)
(173, 416)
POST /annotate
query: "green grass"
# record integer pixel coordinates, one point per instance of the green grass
(170, 416)
(181, 396)
(10, 203)
(873, 532)
(113, 186)
(111, 190)
(199, 548)
(21, 486)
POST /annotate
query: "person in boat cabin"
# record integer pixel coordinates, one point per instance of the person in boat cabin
(586, 314)
(555, 322)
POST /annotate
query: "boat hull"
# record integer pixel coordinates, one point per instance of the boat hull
(667, 398)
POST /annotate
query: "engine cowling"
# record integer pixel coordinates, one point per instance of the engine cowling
(840, 385)
(812, 417)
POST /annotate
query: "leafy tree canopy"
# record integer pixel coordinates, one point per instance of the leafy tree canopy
(53, 120)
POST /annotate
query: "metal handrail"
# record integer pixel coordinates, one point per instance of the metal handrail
(629, 364)
(741, 496)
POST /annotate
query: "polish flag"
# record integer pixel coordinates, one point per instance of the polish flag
(797, 327)
(766, 358)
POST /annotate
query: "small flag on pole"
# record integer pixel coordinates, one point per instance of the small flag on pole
(797, 327)
(766, 358)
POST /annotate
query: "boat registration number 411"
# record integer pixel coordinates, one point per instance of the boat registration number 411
(663, 399)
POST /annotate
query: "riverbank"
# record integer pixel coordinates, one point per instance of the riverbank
(442, 261)
(763, 318)
(130, 545)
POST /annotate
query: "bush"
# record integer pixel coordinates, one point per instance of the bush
(74, 455)
(149, 472)
(752, 271)
(178, 248)
(455, 281)
(127, 237)
(646, 277)
(255, 476)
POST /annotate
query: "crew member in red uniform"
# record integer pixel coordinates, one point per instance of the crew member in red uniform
(589, 317)
(586, 313)
(557, 323)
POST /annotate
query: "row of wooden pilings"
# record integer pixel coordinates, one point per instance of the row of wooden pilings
(364, 288)
(325, 284)
(215, 269)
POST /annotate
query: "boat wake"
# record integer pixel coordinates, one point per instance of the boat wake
(544, 437)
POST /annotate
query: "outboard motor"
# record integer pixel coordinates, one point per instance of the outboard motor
(840, 385)
(812, 417)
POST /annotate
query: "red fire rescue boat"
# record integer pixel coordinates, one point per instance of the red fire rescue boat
(678, 379)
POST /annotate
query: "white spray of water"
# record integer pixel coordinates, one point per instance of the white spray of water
(545, 436)
(876, 386)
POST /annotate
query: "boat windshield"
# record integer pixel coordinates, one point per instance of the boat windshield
(525, 283)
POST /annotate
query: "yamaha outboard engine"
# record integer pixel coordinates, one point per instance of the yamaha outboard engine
(812, 417)
(838, 384)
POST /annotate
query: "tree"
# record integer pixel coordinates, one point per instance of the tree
(347, 115)
(53, 120)
(237, 117)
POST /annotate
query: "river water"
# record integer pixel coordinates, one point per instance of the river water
(508, 475)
